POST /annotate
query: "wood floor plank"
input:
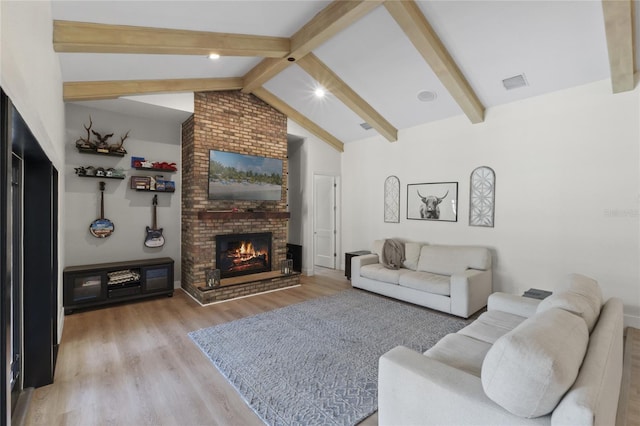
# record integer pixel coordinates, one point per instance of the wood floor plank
(629, 404)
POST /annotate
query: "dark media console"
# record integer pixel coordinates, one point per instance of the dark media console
(102, 284)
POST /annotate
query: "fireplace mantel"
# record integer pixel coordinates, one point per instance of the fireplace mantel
(226, 215)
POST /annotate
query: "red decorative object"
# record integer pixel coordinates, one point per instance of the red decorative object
(165, 166)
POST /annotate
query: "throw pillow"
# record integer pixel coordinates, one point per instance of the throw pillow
(528, 370)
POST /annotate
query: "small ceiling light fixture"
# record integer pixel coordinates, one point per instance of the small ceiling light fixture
(319, 92)
(427, 96)
(214, 56)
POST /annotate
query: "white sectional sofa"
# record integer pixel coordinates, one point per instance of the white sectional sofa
(452, 279)
(523, 362)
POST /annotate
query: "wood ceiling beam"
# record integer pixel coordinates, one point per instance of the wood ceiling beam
(327, 23)
(294, 115)
(96, 90)
(330, 81)
(413, 22)
(263, 72)
(70, 36)
(618, 25)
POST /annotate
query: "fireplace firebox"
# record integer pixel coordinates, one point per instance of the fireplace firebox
(243, 254)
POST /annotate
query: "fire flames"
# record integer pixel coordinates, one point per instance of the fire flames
(246, 253)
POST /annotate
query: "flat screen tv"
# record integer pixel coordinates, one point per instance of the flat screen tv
(234, 176)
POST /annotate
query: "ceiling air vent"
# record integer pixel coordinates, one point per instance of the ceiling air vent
(366, 126)
(515, 82)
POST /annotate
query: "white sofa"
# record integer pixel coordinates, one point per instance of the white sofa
(452, 279)
(524, 361)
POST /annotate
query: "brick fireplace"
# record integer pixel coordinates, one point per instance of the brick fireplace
(235, 122)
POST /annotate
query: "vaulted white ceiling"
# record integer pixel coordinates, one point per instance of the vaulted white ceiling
(555, 44)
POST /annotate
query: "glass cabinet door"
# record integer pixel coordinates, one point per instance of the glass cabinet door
(86, 288)
(157, 278)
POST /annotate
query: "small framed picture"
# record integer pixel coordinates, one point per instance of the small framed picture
(433, 201)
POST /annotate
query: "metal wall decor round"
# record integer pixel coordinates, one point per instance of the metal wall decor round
(392, 200)
(482, 197)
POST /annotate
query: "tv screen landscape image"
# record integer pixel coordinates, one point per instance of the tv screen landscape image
(234, 176)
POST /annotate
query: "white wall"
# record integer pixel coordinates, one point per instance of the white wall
(30, 75)
(128, 209)
(315, 157)
(567, 188)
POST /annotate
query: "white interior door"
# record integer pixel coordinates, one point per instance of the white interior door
(324, 224)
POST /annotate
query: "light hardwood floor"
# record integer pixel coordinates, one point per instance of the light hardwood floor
(629, 407)
(133, 364)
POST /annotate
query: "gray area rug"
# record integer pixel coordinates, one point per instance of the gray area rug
(316, 362)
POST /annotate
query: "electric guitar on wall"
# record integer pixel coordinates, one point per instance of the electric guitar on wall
(154, 236)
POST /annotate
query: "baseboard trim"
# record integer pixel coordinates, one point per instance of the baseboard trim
(632, 321)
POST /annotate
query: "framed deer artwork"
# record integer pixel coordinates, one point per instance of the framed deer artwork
(433, 201)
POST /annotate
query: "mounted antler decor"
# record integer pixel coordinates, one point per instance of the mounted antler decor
(85, 143)
(119, 147)
(100, 145)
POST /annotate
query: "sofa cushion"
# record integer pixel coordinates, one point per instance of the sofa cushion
(461, 352)
(449, 260)
(412, 255)
(584, 286)
(426, 281)
(492, 325)
(378, 272)
(528, 370)
(376, 248)
(579, 295)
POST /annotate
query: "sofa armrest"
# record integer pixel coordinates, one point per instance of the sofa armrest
(513, 304)
(414, 389)
(359, 261)
(469, 291)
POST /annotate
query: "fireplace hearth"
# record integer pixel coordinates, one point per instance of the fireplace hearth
(243, 254)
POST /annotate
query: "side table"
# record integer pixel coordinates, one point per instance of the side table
(347, 261)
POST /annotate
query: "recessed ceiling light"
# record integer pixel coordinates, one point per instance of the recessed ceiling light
(427, 96)
(214, 56)
(319, 92)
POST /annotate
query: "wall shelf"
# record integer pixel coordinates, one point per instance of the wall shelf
(154, 190)
(101, 177)
(93, 151)
(153, 169)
